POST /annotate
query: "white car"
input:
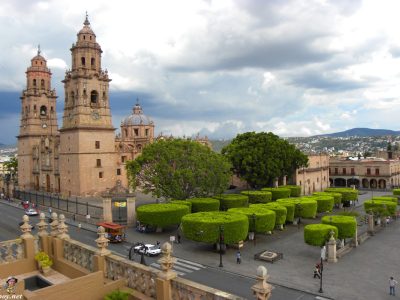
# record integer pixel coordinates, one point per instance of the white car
(31, 212)
(147, 249)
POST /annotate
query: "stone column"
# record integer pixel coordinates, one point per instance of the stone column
(107, 210)
(54, 225)
(43, 234)
(262, 289)
(371, 224)
(284, 180)
(27, 238)
(62, 228)
(102, 242)
(332, 249)
(356, 238)
(131, 210)
(163, 283)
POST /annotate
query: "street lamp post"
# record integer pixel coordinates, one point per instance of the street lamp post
(221, 241)
(321, 268)
(254, 227)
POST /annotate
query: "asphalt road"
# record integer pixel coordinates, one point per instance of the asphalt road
(211, 276)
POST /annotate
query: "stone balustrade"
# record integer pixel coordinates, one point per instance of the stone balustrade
(79, 253)
(11, 251)
(139, 277)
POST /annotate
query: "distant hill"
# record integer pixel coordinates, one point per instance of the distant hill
(362, 132)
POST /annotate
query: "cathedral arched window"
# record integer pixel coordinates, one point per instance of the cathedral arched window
(42, 83)
(43, 110)
(126, 132)
(94, 101)
(34, 82)
(92, 62)
(83, 61)
(34, 108)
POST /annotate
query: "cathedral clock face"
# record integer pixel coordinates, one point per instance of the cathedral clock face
(95, 115)
(44, 125)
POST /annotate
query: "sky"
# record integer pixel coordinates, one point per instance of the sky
(218, 68)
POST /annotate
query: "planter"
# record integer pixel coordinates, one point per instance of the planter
(46, 270)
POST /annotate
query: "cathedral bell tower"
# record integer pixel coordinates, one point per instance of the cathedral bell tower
(87, 153)
(38, 134)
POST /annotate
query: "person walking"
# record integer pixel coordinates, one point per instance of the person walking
(392, 285)
(238, 257)
(79, 226)
(317, 273)
(179, 238)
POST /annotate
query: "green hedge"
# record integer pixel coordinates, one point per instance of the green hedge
(318, 234)
(161, 215)
(348, 194)
(378, 207)
(290, 207)
(352, 213)
(205, 226)
(295, 190)
(324, 203)
(386, 198)
(337, 196)
(204, 204)
(182, 202)
(396, 192)
(258, 196)
(346, 225)
(279, 210)
(304, 207)
(278, 193)
(264, 218)
(232, 200)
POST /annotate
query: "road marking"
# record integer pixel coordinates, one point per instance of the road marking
(155, 265)
(182, 265)
(191, 263)
(186, 265)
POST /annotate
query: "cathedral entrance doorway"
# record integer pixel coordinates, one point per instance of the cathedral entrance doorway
(119, 210)
(47, 183)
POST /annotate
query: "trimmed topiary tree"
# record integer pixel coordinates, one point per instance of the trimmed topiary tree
(290, 208)
(348, 194)
(305, 207)
(204, 204)
(295, 190)
(336, 196)
(386, 198)
(278, 192)
(279, 210)
(258, 196)
(324, 203)
(346, 225)
(205, 226)
(396, 192)
(380, 207)
(161, 215)
(264, 218)
(318, 234)
(182, 202)
(232, 200)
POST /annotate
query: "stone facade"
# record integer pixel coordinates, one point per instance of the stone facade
(315, 177)
(83, 157)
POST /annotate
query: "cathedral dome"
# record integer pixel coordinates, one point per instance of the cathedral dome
(86, 28)
(137, 117)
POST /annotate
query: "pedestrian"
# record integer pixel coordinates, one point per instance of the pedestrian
(317, 273)
(179, 238)
(392, 284)
(79, 226)
(158, 244)
(50, 211)
(238, 257)
(298, 222)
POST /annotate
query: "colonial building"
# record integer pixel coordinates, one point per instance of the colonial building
(371, 172)
(315, 177)
(83, 157)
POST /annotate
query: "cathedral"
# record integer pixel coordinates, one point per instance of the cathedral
(84, 157)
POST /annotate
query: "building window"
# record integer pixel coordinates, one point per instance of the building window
(376, 171)
(97, 144)
(43, 110)
(98, 162)
(123, 158)
(147, 132)
(336, 171)
(317, 179)
(83, 62)
(118, 171)
(94, 98)
(136, 131)
(100, 174)
(34, 82)
(344, 171)
(42, 83)
(368, 171)
(92, 61)
(352, 171)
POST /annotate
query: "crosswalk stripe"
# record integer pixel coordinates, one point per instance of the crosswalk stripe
(191, 263)
(186, 265)
(155, 265)
(175, 267)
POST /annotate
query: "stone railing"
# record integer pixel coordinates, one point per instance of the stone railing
(139, 277)
(11, 251)
(184, 289)
(79, 254)
(37, 245)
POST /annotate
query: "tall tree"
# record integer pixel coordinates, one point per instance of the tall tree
(11, 167)
(260, 158)
(179, 169)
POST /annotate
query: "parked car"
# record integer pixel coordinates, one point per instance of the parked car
(31, 212)
(147, 249)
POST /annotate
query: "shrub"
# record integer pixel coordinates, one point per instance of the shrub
(318, 234)
(117, 295)
(182, 202)
(348, 194)
(161, 215)
(290, 207)
(205, 226)
(396, 192)
(43, 259)
(386, 198)
(337, 196)
(352, 213)
(324, 203)
(278, 193)
(204, 204)
(380, 207)
(232, 200)
(346, 225)
(264, 218)
(295, 190)
(305, 207)
(279, 210)
(258, 196)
